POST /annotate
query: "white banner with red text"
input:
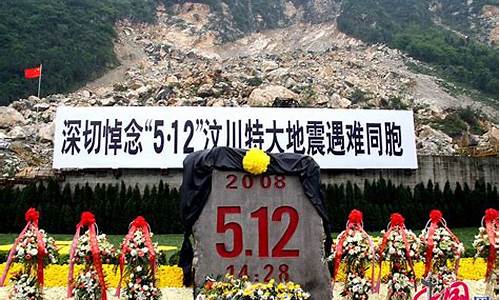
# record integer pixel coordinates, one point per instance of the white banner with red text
(161, 137)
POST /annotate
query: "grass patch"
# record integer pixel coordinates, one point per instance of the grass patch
(162, 239)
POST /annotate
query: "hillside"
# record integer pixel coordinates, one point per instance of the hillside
(203, 54)
(418, 28)
(72, 39)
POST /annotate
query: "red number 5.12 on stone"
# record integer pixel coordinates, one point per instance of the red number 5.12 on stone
(261, 216)
(262, 227)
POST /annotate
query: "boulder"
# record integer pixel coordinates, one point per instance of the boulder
(108, 101)
(216, 103)
(290, 83)
(172, 80)
(4, 144)
(163, 93)
(427, 132)
(10, 117)
(336, 101)
(321, 100)
(492, 134)
(278, 73)
(131, 95)
(33, 98)
(265, 96)
(86, 94)
(46, 132)
(205, 90)
(431, 142)
(269, 65)
(41, 106)
(142, 90)
(17, 133)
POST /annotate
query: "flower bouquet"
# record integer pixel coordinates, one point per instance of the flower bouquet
(25, 286)
(138, 263)
(83, 251)
(232, 288)
(141, 285)
(91, 250)
(27, 250)
(34, 250)
(400, 247)
(400, 285)
(440, 245)
(486, 245)
(87, 285)
(355, 248)
(356, 287)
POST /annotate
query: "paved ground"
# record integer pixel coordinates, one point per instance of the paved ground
(60, 294)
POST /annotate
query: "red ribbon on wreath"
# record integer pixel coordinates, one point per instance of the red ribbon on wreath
(355, 222)
(490, 220)
(435, 219)
(87, 220)
(397, 223)
(138, 224)
(31, 216)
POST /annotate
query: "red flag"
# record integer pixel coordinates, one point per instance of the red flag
(32, 73)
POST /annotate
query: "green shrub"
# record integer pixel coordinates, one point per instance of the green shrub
(116, 205)
(452, 125)
(174, 259)
(470, 116)
(358, 96)
(254, 81)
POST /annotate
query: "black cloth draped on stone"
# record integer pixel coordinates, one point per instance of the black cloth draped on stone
(197, 183)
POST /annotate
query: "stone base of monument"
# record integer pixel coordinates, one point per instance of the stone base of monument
(263, 227)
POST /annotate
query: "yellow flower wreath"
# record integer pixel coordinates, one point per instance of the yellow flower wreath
(256, 161)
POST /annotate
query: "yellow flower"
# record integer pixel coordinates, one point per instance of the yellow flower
(469, 269)
(57, 275)
(256, 161)
(171, 276)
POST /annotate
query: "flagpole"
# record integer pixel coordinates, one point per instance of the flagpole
(39, 81)
(36, 118)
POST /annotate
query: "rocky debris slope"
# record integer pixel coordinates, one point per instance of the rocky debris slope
(488, 24)
(472, 19)
(308, 65)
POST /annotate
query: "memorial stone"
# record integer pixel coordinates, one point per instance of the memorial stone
(263, 227)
